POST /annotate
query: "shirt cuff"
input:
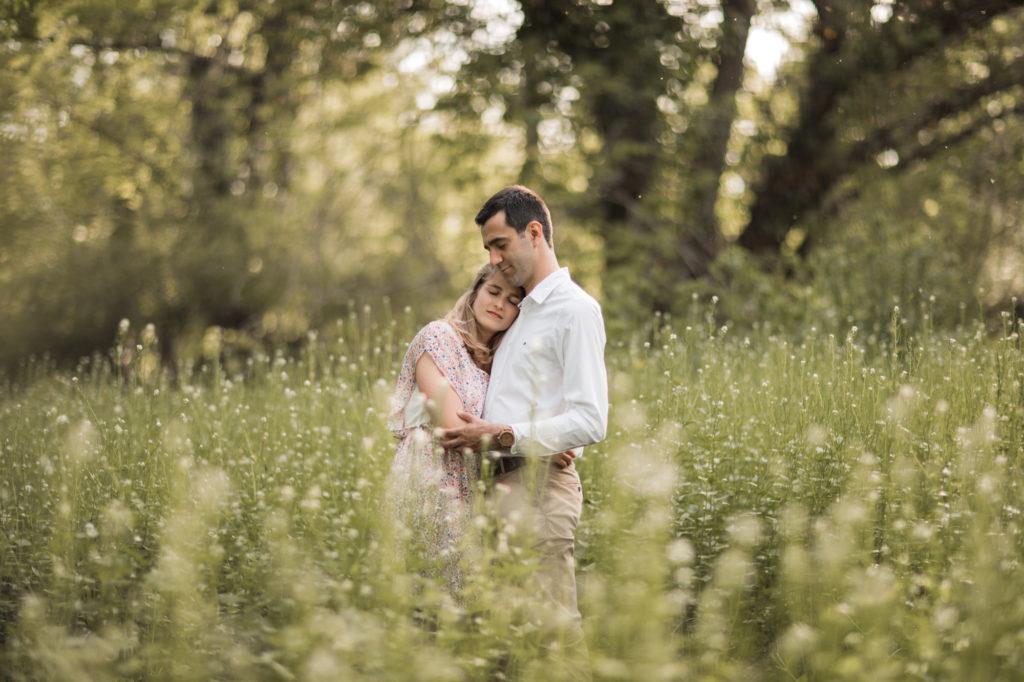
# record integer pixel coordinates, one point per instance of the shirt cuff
(517, 430)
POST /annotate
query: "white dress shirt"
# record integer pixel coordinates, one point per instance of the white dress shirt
(548, 380)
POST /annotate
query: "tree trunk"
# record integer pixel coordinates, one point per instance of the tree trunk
(698, 248)
(623, 97)
(211, 130)
(215, 251)
(268, 156)
(539, 30)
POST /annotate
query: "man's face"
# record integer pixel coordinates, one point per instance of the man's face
(511, 252)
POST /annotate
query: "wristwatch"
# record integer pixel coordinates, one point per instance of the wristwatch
(506, 438)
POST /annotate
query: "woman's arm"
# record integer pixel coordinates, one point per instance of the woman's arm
(446, 404)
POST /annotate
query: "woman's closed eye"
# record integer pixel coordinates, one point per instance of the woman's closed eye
(497, 292)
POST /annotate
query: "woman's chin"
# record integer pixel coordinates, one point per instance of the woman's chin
(490, 327)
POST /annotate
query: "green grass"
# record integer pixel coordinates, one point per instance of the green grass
(764, 507)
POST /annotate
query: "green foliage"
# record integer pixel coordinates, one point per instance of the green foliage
(151, 172)
(836, 507)
(940, 232)
(260, 166)
(140, 185)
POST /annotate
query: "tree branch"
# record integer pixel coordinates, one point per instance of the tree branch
(152, 44)
(798, 182)
(910, 157)
(924, 151)
(1002, 77)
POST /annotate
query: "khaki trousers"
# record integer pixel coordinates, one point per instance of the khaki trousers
(547, 502)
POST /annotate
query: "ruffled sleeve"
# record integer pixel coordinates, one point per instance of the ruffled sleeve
(444, 346)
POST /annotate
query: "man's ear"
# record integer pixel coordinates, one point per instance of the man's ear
(536, 230)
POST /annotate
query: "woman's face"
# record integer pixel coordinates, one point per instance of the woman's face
(496, 305)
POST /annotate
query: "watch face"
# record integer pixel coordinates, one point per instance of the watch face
(506, 438)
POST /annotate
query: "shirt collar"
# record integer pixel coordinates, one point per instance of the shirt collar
(547, 285)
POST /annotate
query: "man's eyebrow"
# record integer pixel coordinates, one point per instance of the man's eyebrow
(495, 241)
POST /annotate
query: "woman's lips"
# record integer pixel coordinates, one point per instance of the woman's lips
(494, 314)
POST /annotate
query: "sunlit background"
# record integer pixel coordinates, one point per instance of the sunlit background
(263, 167)
(802, 218)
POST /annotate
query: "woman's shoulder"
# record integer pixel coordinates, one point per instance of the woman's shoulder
(438, 332)
(438, 329)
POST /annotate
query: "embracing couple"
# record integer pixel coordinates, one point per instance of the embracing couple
(514, 372)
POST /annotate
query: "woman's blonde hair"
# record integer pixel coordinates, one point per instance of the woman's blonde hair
(462, 319)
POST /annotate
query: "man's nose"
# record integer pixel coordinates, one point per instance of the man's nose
(495, 258)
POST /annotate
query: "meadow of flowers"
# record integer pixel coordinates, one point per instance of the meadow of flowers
(766, 506)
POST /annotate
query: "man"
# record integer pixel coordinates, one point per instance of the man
(548, 391)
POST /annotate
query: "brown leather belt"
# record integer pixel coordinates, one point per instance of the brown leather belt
(506, 465)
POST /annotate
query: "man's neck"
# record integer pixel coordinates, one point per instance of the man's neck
(545, 268)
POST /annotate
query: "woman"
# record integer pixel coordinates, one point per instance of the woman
(445, 371)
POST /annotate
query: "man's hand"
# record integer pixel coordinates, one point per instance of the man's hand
(563, 459)
(469, 434)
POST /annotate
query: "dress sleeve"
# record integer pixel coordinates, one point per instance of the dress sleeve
(440, 341)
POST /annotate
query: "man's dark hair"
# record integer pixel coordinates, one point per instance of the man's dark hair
(521, 205)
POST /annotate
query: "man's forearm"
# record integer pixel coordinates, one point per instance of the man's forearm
(477, 434)
(568, 431)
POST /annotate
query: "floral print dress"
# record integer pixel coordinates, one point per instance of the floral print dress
(431, 490)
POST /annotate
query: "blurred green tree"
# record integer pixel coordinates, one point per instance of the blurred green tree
(857, 52)
(258, 164)
(651, 91)
(152, 167)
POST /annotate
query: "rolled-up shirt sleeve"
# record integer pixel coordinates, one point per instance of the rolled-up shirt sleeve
(585, 389)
